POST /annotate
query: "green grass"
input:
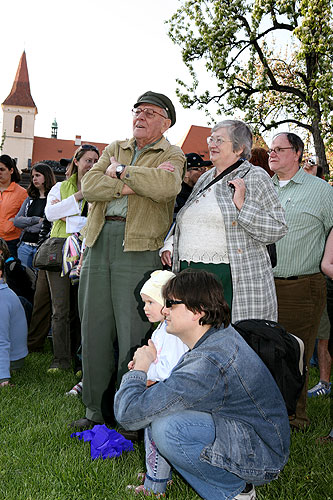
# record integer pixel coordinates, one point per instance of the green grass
(39, 460)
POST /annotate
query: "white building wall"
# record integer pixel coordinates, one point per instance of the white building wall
(19, 144)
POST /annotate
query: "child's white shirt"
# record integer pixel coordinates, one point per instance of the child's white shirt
(169, 351)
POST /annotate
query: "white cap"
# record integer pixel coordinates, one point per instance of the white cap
(153, 286)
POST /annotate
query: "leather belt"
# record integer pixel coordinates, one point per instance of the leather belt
(296, 277)
(289, 278)
(30, 244)
(115, 217)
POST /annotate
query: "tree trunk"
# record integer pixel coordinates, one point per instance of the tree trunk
(319, 146)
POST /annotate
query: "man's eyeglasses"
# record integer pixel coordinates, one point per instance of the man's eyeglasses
(216, 140)
(90, 147)
(149, 113)
(276, 150)
(170, 302)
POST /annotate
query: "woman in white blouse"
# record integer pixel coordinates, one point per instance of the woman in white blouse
(230, 217)
(67, 209)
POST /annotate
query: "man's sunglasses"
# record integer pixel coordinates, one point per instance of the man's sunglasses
(170, 302)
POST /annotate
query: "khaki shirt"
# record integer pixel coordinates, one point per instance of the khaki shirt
(150, 210)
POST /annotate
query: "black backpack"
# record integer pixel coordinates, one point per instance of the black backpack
(282, 353)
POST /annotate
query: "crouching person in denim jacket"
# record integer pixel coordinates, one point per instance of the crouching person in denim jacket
(219, 419)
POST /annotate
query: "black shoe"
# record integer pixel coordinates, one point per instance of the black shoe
(82, 424)
(131, 435)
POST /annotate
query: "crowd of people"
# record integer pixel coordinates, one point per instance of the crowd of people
(146, 240)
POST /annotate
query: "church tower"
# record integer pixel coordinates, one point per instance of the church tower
(19, 111)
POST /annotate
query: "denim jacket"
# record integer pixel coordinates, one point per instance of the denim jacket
(222, 376)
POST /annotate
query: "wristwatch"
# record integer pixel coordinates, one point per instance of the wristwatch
(119, 170)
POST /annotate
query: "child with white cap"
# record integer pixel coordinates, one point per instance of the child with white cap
(169, 349)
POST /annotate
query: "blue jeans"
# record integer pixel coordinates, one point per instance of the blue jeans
(180, 438)
(158, 471)
(26, 253)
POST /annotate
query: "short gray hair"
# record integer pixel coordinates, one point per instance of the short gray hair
(240, 135)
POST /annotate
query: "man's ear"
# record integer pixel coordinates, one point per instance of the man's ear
(165, 125)
(197, 315)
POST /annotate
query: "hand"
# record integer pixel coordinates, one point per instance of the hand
(166, 258)
(78, 195)
(144, 356)
(310, 168)
(130, 365)
(53, 202)
(239, 194)
(111, 170)
(167, 166)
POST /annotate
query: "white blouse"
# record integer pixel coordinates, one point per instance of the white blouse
(202, 231)
(68, 208)
(169, 351)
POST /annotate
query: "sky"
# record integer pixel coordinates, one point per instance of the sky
(88, 61)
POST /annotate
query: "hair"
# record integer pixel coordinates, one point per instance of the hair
(201, 292)
(10, 163)
(72, 169)
(295, 141)
(2, 266)
(4, 249)
(240, 135)
(259, 158)
(49, 181)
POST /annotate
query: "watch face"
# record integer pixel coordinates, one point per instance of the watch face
(119, 170)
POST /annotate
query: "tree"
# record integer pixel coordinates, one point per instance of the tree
(240, 43)
(3, 138)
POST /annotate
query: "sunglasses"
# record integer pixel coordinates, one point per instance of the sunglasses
(90, 147)
(170, 302)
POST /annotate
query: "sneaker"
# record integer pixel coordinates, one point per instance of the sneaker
(76, 390)
(137, 490)
(54, 370)
(83, 424)
(244, 495)
(321, 389)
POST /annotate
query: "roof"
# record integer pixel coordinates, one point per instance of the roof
(20, 94)
(46, 148)
(195, 141)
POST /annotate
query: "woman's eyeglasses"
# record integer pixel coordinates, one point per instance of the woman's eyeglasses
(216, 140)
(170, 302)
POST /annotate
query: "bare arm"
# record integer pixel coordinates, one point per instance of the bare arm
(327, 262)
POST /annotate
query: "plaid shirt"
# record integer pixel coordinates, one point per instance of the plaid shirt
(260, 222)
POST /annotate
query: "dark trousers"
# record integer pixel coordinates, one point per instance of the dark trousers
(301, 303)
(41, 314)
(63, 310)
(12, 246)
(111, 311)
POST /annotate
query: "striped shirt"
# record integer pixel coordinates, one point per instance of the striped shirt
(308, 204)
